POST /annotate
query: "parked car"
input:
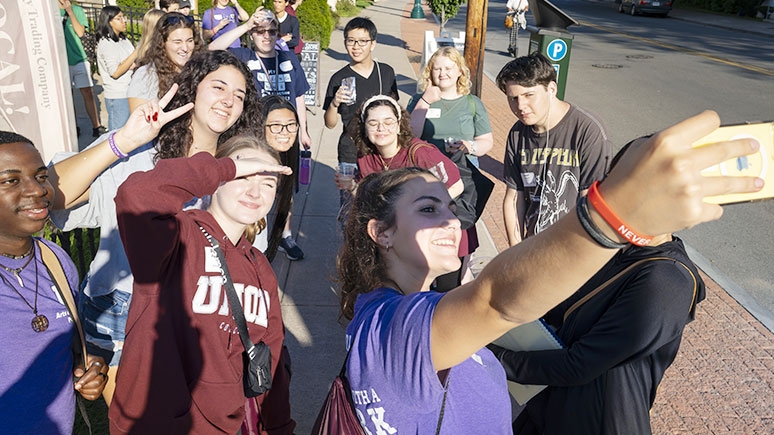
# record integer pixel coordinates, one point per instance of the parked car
(656, 7)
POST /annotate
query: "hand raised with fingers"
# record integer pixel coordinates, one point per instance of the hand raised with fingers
(657, 187)
(146, 121)
(246, 167)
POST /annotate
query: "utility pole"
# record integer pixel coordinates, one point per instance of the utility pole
(475, 40)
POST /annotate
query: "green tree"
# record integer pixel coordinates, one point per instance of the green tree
(445, 9)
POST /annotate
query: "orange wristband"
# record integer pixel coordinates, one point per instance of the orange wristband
(612, 219)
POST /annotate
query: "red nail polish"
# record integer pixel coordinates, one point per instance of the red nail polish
(155, 116)
(147, 118)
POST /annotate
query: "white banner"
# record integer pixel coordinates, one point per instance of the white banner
(35, 95)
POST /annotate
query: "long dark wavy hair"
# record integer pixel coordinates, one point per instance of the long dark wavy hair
(176, 138)
(360, 264)
(288, 158)
(357, 128)
(157, 55)
(104, 29)
(240, 142)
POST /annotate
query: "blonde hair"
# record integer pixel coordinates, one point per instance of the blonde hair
(231, 147)
(148, 25)
(463, 82)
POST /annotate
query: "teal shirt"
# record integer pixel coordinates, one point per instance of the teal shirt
(75, 52)
(461, 118)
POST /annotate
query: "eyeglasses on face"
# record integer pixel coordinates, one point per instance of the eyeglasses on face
(358, 42)
(277, 128)
(120, 18)
(388, 124)
(176, 18)
(271, 32)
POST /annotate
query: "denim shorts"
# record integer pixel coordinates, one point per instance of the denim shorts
(118, 112)
(104, 321)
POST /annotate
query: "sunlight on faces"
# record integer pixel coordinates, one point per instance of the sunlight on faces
(530, 104)
(357, 52)
(219, 100)
(179, 46)
(118, 23)
(277, 119)
(427, 233)
(25, 192)
(445, 73)
(382, 126)
(245, 200)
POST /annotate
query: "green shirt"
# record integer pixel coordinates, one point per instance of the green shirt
(461, 118)
(75, 52)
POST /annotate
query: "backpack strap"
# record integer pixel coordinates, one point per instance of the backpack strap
(56, 272)
(472, 104)
(607, 283)
(415, 145)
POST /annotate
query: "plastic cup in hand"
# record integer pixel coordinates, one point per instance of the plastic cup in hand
(348, 83)
(347, 171)
(265, 17)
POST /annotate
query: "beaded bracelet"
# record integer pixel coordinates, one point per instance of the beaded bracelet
(114, 147)
(612, 219)
(592, 229)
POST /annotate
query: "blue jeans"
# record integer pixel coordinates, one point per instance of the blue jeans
(104, 321)
(118, 112)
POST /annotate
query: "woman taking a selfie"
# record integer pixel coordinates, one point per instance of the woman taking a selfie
(417, 362)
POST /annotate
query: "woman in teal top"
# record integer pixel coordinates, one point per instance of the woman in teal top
(446, 109)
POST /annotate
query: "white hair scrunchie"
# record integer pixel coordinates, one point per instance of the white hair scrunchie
(377, 98)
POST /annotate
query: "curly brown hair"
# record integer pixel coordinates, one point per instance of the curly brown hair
(359, 264)
(176, 138)
(156, 54)
(359, 135)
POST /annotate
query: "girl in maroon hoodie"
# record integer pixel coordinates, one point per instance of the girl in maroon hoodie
(181, 370)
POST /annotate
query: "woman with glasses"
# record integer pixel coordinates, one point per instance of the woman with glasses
(216, 101)
(115, 58)
(384, 141)
(275, 72)
(281, 130)
(175, 39)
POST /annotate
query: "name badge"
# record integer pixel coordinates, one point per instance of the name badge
(218, 17)
(433, 113)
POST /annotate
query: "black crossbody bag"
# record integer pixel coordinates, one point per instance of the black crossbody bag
(256, 378)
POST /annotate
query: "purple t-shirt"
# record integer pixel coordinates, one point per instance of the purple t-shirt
(395, 388)
(213, 16)
(36, 386)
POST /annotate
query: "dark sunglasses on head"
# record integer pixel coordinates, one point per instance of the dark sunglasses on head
(177, 19)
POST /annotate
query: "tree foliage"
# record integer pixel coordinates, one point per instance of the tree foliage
(445, 9)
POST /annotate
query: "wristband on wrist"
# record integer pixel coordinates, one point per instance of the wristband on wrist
(612, 219)
(592, 229)
(114, 147)
(423, 99)
(473, 148)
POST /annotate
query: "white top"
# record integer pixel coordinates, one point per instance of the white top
(517, 5)
(110, 54)
(145, 83)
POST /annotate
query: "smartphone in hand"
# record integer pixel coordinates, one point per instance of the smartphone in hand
(755, 165)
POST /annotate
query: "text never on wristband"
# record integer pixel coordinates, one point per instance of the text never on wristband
(612, 219)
